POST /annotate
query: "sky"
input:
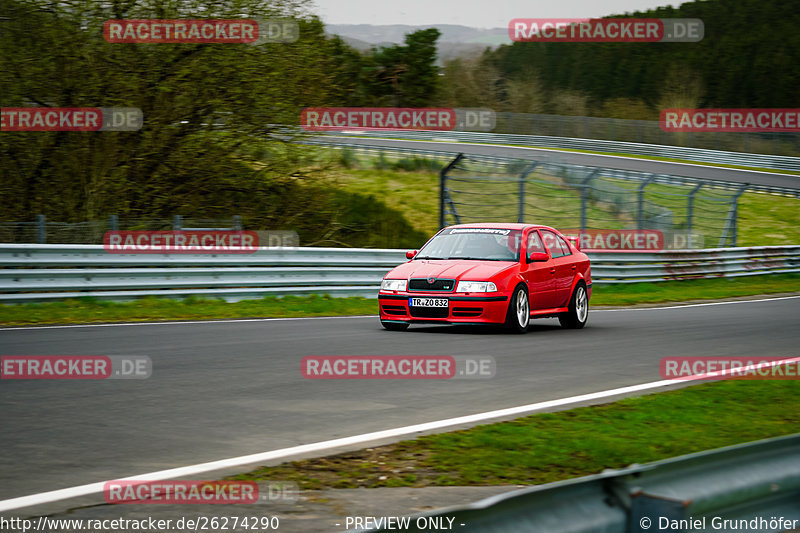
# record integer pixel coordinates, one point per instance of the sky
(474, 13)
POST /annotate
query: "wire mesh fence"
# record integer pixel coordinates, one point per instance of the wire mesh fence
(691, 213)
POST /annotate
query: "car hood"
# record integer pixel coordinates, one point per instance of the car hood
(455, 269)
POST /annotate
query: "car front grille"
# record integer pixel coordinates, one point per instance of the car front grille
(429, 312)
(438, 285)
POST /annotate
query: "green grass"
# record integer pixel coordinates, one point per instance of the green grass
(415, 194)
(549, 447)
(766, 219)
(87, 310)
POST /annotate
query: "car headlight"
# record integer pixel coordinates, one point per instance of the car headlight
(394, 284)
(476, 286)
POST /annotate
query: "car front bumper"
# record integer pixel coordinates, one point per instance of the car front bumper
(486, 308)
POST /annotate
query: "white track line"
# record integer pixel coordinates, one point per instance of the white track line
(96, 488)
(234, 321)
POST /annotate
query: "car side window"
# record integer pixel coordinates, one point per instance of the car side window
(551, 239)
(564, 245)
(535, 243)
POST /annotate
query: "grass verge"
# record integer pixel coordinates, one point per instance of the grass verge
(87, 310)
(548, 447)
(699, 289)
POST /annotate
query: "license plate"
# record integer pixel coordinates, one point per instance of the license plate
(427, 302)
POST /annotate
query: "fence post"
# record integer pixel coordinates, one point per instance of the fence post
(640, 217)
(521, 194)
(443, 186)
(585, 196)
(690, 208)
(41, 229)
(176, 222)
(730, 223)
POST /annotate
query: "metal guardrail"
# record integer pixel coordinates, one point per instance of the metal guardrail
(775, 162)
(32, 272)
(754, 481)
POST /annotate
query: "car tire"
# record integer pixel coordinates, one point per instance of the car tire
(518, 317)
(578, 312)
(394, 326)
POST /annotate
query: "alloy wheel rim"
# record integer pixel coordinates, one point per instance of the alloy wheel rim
(523, 313)
(581, 305)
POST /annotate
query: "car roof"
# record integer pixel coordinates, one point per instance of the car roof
(498, 225)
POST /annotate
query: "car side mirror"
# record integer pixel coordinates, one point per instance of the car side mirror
(411, 253)
(535, 257)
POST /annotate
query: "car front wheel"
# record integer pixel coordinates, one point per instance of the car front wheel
(578, 312)
(519, 311)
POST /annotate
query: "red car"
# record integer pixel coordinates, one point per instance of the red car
(489, 274)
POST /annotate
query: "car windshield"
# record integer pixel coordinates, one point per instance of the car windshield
(485, 244)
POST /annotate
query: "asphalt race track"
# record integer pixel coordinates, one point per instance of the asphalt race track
(768, 179)
(230, 388)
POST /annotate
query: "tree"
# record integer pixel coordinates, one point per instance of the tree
(208, 109)
(407, 75)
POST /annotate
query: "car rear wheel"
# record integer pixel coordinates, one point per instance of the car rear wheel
(394, 326)
(519, 311)
(578, 312)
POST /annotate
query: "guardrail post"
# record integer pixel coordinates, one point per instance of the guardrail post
(640, 217)
(41, 229)
(521, 195)
(585, 196)
(177, 222)
(237, 222)
(690, 208)
(113, 222)
(443, 187)
(730, 223)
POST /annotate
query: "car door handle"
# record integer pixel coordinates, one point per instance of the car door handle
(573, 267)
(552, 270)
